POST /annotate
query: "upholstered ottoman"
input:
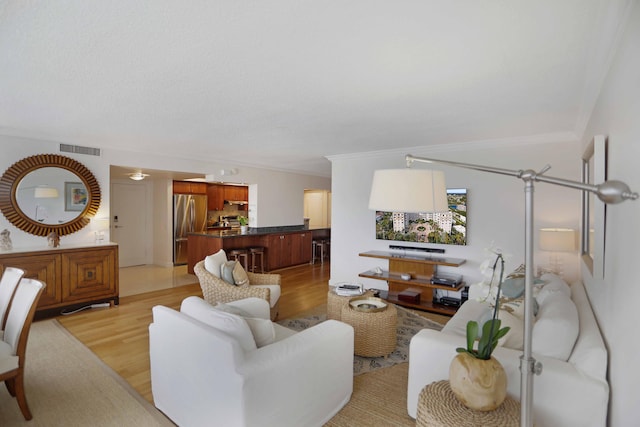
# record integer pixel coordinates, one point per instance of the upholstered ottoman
(375, 332)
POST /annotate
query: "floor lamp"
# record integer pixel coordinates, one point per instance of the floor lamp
(392, 184)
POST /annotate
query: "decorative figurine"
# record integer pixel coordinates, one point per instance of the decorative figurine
(5, 240)
(53, 239)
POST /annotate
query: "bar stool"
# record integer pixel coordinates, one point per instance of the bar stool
(240, 255)
(318, 246)
(255, 252)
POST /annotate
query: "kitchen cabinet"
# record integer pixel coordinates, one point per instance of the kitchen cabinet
(236, 193)
(287, 249)
(186, 187)
(215, 197)
(278, 251)
(76, 275)
(301, 248)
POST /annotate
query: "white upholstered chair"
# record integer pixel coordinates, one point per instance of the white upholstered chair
(202, 376)
(13, 346)
(10, 278)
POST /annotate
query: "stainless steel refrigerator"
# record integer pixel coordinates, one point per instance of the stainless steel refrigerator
(189, 215)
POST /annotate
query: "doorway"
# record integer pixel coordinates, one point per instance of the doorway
(129, 222)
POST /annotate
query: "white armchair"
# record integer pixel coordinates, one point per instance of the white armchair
(202, 376)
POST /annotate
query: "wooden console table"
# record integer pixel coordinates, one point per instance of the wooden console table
(421, 270)
(75, 275)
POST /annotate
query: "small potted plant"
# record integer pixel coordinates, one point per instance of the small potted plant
(477, 379)
(244, 223)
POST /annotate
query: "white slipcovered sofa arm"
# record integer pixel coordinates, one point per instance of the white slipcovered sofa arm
(315, 364)
(560, 385)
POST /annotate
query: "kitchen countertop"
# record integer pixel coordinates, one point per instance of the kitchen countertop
(260, 231)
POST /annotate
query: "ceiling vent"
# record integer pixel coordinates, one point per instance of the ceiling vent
(66, 148)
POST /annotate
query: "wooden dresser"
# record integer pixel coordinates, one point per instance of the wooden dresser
(75, 275)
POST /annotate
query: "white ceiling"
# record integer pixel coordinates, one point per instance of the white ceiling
(283, 83)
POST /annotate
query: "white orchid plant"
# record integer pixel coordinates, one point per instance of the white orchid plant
(491, 330)
(489, 285)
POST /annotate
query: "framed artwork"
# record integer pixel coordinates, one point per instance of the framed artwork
(448, 228)
(594, 172)
(75, 196)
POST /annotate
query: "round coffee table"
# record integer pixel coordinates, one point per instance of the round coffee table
(439, 407)
(375, 332)
(335, 303)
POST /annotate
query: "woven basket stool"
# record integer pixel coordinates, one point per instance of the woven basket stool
(439, 407)
(335, 303)
(375, 333)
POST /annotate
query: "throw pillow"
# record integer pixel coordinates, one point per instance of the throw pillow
(230, 324)
(212, 263)
(513, 285)
(231, 309)
(240, 276)
(555, 285)
(262, 330)
(514, 339)
(556, 329)
(226, 271)
(515, 306)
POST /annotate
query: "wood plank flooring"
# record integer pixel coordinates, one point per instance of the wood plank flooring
(119, 335)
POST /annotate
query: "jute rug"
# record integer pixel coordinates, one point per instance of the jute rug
(409, 324)
(379, 399)
(67, 385)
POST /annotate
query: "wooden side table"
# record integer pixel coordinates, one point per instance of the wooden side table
(439, 407)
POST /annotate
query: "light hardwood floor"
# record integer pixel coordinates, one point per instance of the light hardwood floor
(119, 335)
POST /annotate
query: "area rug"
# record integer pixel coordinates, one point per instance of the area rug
(67, 385)
(379, 399)
(409, 324)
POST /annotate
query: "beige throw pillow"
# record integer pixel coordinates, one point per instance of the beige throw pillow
(239, 275)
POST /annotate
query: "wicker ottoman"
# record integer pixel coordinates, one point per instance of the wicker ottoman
(375, 333)
(335, 303)
(439, 407)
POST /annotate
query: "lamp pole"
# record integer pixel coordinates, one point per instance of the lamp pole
(609, 192)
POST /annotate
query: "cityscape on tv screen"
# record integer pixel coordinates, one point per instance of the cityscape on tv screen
(447, 228)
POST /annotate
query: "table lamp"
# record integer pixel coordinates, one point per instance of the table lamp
(556, 240)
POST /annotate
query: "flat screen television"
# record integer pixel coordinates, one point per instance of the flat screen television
(447, 228)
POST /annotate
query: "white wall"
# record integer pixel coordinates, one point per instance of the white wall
(495, 204)
(615, 299)
(280, 195)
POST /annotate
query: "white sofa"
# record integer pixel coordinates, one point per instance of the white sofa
(202, 376)
(571, 392)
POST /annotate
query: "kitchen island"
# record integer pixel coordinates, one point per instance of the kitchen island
(284, 246)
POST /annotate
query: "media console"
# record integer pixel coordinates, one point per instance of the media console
(420, 269)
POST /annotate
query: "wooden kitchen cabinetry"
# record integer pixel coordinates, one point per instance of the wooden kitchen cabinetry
(279, 251)
(301, 248)
(215, 197)
(186, 187)
(288, 249)
(76, 275)
(421, 269)
(236, 193)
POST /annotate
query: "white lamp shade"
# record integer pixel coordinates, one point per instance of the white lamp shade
(558, 239)
(44, 192)
(408, 190)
